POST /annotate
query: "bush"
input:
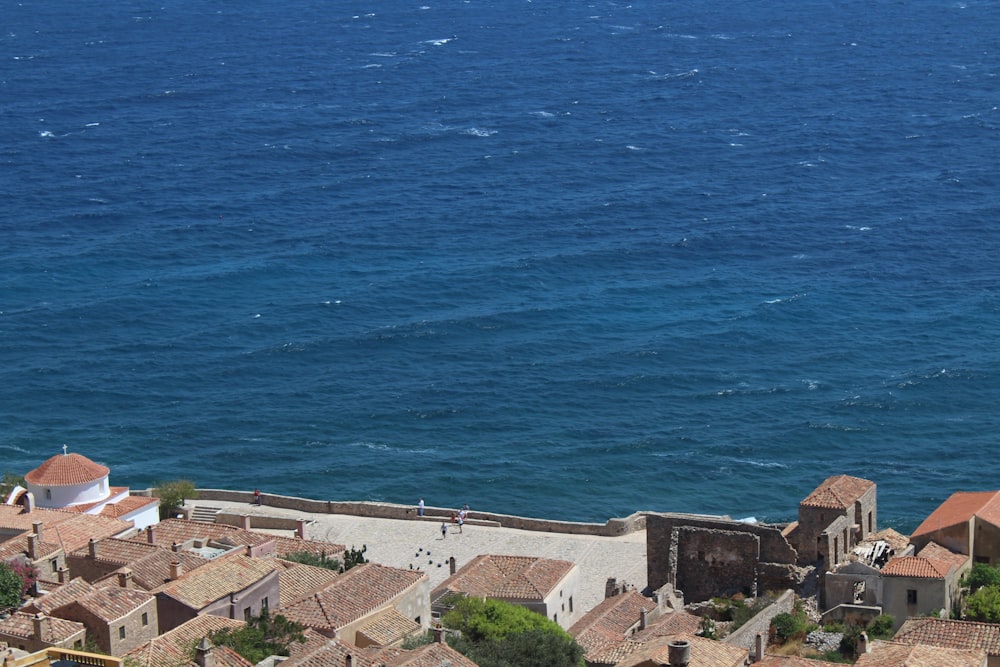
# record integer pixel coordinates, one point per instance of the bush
(172, 496)
(981, 575)
(789, 626)
(984, 605)
(880, 627)
(11, 587)
(316, 560)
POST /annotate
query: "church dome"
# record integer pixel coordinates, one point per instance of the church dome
(66, 470)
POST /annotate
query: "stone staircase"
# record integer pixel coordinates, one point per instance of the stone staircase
(204, 513)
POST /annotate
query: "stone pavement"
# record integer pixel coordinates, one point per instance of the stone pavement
(418, 543)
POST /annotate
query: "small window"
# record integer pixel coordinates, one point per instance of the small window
(145, 618)
(121, 632)
(571, 604)
(48, 494)
(911, 596)
(247, 613)
(55, 564)
(263, 604)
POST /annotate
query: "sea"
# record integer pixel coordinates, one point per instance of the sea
(562, 259)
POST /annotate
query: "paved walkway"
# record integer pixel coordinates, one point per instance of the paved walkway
(418, 543)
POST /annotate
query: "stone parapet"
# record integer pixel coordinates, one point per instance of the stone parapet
(611, 528)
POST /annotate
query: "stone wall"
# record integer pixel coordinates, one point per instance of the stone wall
(705, 556)
(611, 528)
(746, 635)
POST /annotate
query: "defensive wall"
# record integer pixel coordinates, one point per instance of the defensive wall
(611, 528)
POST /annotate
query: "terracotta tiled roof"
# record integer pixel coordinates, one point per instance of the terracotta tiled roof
(170, 531)
(150, 564)
(110, 604)
(18, 546)
(896, 540)
(128, 505)
(790, 661)
(959, 508)
(951, 634)
(173, 649)
(667, 625)
(839, 492)
(66, 470)
(329, 653)
(914, 566)
(61, 596)
(704, 653)
(20, 624)
(935, 551)
(355, 594)
(216, 579)
(298, 580)
(507, 577)
(388, 627)
(892, 654)
(430, 655)
(290, 545)
(609, 622)
(78, 530)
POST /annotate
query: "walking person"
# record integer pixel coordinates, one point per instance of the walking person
(420, 507)
(444, 530)
(256, 497)
(461, 522)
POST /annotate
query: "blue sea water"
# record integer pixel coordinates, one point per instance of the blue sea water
(562, 259)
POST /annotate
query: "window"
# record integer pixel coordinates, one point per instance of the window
(55, 564)
(571, 604)
(911, 596)
(48, 494)
(121, 632)
(145, 618)
(246, 614)
(263, 604)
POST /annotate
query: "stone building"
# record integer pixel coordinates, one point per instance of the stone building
(966, 523)
(923, 585)
(709, 556)
(837, 515)
(36, 632)
(544, 585)
(117, 619)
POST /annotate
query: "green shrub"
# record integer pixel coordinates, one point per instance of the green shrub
(880, 627)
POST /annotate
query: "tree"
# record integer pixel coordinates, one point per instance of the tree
(11, 587)
(981, 575)
(172, 496)
(984, 605)
(262, 636)
(28, 574)
(496, 634)
(354, 557)
(316, 560)
(9, 482)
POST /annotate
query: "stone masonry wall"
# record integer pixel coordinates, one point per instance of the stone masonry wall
(712, 563)
(746, 635)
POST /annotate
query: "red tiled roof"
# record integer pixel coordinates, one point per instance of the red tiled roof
(66, 470)
(959, 508)
(935, 551)
(838, 492)
(110, 604)
(950, 634)
(790, 661)
(60, 596)
(704, 653)
(429, 655)
(173, 649)
(216, 580)
(353, 595)
(915, 566)
(387, 628)
(128, 505)
(609, 622)
(20, 624)
(892, 654)
(507, 577)
(298, 580)
(170, 531)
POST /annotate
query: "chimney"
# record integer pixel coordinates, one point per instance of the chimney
(245, 521)
(439, 634)
(150, 535)
(203, 654)
(92, 545)
(642, 619)
(125, 578)
(62, 575)
(349, 661)
(33, 547)
(234, 602)
(758, 648)
(36, 527)
(300, 529)
(41, 625)
(451, 565)
(175, 547)
(863, 645)
(29, 502)
(679, 653)
(175, 570)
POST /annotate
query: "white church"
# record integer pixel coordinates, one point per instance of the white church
(72, 482)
